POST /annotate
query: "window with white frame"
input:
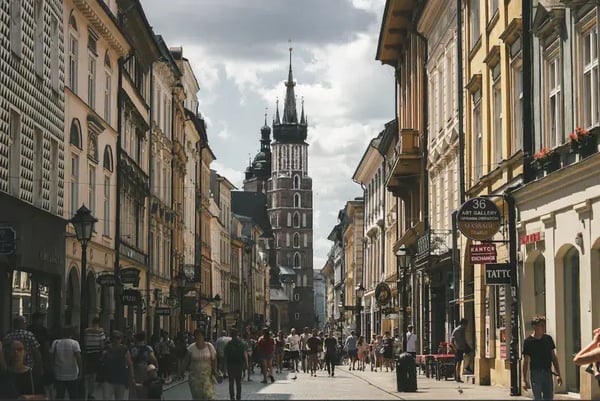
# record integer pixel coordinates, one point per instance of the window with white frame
(73, 54)
(106, 206)
(477, 136)
(591, 79)
(38, 41)
(15, 27)
(474, 22)
(553, 134)
(497, 114)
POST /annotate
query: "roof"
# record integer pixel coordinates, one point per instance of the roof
(254, 205)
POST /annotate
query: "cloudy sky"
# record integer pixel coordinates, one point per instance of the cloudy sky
(239, 52)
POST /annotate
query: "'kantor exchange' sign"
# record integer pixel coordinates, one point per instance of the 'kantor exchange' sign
(479, 219)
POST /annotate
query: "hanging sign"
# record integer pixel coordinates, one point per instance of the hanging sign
(479, 219)
(498, 273)
(132, 297)
(106, 280)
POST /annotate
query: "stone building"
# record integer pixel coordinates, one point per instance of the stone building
(32, 156)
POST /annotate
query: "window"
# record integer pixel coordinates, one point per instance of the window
(296, 240)
(38, 40)
(74, 183)
(54, 53)
(73, 54)
(296, 260)
(38, 155)
(474, 22)
(497, 114)
(15, 153)
(296, 182)
(296, 220)
(591, 80)
(92, 188)
(75, 133)
(15, 27)
(297, 202)
(477, 135)
(553, 135)
(92, 82)
(106, 206)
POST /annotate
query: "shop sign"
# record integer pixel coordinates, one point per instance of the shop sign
(132, 297)
(8, 243)
(163, 311)
(498, 273)
(383, 294)
(531, 238)
(130, 275)
(482, 253)
(479, 219)
(106, 280)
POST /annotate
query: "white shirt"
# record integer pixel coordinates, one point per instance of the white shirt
(65, 362)
(411, 342)
(294, 341)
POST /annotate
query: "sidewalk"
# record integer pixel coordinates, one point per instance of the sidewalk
(428, 388)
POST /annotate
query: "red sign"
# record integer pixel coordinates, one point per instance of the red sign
(482, 253)
(531, 238)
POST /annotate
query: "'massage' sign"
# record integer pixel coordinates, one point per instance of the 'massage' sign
(498, 273)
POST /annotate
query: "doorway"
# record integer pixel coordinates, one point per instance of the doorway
(572, 317)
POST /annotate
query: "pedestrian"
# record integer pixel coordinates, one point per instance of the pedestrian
(293, 341)
(266, 350)
(461, 347)
(303, 354)
(539, 354)
(313, 345)
(116, 367)
(411, 341)
(220, 347)
(95, 340)
(350, 347)
(330, 346)
(17, 380)
(363, 352)
(279, 350)
(153, 385)
(66, 354)
(33, 356)
(235, 355)
(142, 355)
(201, 362)
(591, 355)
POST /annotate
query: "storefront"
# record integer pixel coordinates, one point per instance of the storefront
(32, 257)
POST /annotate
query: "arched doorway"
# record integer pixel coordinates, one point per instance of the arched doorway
(72, 298)
(275, 318)
(572, 315)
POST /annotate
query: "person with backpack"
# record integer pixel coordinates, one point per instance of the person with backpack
(142, 355)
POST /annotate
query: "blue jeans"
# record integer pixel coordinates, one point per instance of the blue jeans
(541, 385)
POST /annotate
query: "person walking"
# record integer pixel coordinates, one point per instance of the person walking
(201, 362)
(313, 345)
(116, 367)
(33, 356)
(220, 347)
(539, 355)
(293, 341)
(235, 356)
(459, 342)
(350, 347)
(330, 346)
(411, 341)
(266, 348)
(95, 340)
(17, 380)
(66, 354)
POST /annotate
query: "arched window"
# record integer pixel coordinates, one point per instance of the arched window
(297, 202)
(75, 133)
(296, 222)
(296, 240)
(296, 260)
(296, 182)
(108, 158)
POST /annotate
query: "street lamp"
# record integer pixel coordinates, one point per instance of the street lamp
(83, 222)
(403, 264)
(360, 292)
(181, 282)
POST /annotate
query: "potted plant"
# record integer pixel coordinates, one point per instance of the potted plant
(547, 159)
(583, 142)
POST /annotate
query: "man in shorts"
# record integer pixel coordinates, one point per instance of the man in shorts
(352, 349)
(293, 342)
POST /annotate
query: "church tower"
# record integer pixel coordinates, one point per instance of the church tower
(290, 208)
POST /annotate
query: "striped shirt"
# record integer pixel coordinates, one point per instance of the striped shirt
(94, 340)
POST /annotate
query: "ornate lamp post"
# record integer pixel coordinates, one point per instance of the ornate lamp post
(360, 292)
(402, 276)
(83, 222)
(181, 282)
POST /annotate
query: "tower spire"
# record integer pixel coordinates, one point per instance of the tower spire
(290, 114)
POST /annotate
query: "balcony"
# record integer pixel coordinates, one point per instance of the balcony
(407, 167)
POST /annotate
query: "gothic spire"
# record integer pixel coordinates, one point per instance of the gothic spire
(277, 119)
(290, 114)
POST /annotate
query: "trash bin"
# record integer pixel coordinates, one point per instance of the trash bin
(406, 373)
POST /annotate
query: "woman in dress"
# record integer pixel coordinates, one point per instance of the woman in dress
(19, 380)
(201, 361)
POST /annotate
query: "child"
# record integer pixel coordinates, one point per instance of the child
(153, 385)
